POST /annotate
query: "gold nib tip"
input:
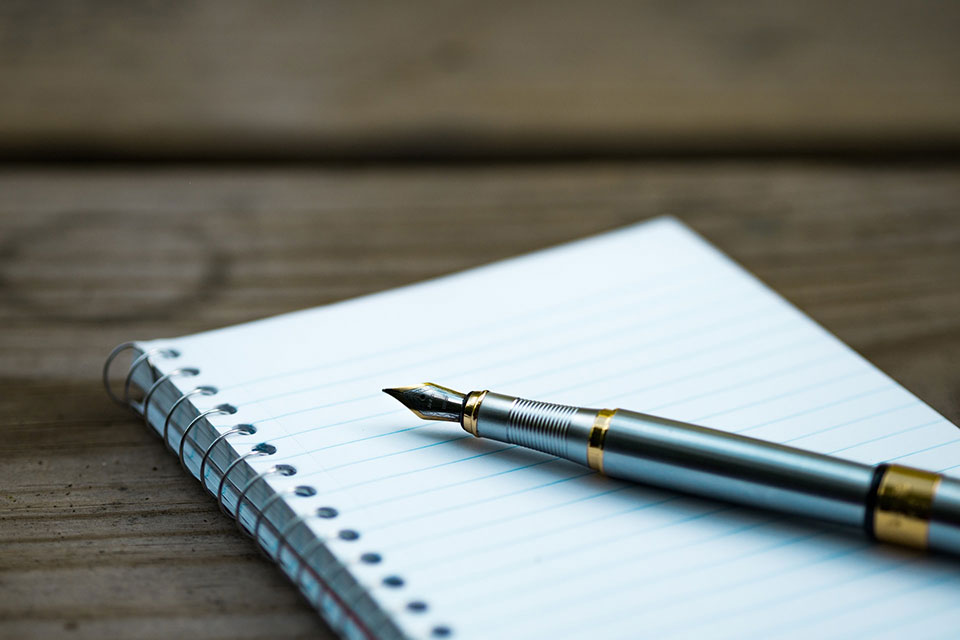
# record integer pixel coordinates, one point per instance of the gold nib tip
(430, 401)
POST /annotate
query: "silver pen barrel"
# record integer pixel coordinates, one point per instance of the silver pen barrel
(892, 503)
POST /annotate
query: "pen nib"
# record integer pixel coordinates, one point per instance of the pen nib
(430, 401)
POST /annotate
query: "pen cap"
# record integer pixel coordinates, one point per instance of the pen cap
(944, 534)
(736, 468)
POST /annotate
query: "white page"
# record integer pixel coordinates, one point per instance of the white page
(504, 542)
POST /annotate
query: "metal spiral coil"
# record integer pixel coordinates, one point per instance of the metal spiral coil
(220, 409)
(282, 532)
(144, 406)
(278, 469)
(203, 390)
(245, 429)
(143, 357)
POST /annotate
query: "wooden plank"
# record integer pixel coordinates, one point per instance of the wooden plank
(100, 532)
(103, 535)
(252, 78)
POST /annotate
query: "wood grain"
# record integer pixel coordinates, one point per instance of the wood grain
(101, 535)
(254, 78)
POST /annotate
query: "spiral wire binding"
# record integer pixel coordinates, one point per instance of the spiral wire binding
(303, 491)
(225, 409)
(245, 429)
(202, 390)
(145, 405)
(262, 449)
(303, 556)
(282, 469)
(143, 357)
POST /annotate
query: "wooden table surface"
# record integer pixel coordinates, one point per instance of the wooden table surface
(435, 78)
(103, 535)
(813, 142)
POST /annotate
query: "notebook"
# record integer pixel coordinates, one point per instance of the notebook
(393, 527)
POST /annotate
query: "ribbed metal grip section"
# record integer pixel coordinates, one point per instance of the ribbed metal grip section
(540, 425)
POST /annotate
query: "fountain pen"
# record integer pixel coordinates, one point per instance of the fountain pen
(892, 503)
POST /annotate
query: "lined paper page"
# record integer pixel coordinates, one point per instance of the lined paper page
(498, 541)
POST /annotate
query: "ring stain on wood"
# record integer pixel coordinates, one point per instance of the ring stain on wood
(65, 269)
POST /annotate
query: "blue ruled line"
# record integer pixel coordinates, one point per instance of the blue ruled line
(889, 435)
(693, 268)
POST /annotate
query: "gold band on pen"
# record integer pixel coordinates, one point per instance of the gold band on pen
(471, 407)
(598, 434)
(904, 502)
